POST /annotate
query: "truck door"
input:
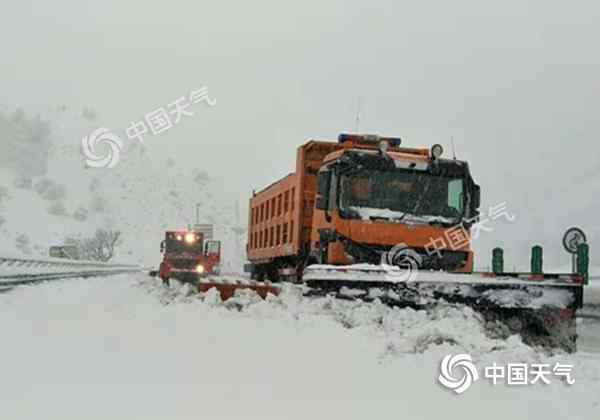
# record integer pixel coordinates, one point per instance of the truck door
(213, 250)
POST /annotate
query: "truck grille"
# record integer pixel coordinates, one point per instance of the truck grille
(184, 264)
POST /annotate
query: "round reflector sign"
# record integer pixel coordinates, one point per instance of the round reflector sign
(573, 238)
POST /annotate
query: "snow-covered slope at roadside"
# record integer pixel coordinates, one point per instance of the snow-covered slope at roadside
(47, 193)
(124, 347)
(25, 214)
(139, 199)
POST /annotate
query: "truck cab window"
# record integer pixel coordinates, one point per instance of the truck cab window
(455, 194)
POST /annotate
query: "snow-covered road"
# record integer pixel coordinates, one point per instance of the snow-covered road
(123, 347)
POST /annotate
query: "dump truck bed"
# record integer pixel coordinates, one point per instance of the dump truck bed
(280, 215)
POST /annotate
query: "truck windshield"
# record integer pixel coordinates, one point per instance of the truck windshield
(176, 244)
(402, 195)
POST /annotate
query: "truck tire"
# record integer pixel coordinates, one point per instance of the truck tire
(273, 273)
(259, 273)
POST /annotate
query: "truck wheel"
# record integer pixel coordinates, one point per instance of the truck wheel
(273, 274)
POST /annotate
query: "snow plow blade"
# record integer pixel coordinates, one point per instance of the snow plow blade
(485, 290)
(227, 288)
(539, 307)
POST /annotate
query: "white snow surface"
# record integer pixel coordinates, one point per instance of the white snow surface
(123, 347)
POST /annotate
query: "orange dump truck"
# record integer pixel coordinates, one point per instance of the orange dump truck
(365, 217)
(349, 202)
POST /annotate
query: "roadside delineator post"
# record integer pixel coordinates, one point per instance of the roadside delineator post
(583, 261)
(498, 260)
(537, 260)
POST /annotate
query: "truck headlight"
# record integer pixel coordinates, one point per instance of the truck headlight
(199, 269)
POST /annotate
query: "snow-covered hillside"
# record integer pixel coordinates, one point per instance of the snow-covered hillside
(47, 193)
(124, 347)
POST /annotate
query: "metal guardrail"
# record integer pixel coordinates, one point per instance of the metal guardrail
(23, 279)
(9, 261)
(586, 315)
(37, 270)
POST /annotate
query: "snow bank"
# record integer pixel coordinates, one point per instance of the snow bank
(124, 347)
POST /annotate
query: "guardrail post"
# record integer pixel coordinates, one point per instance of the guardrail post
(583, 262)
(537, 260)
(498, 260)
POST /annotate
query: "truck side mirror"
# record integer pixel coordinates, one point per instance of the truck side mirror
(476, 196)
(212, 248)
(162, 247)
(322, 202)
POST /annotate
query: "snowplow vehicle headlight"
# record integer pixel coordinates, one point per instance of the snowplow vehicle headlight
(190, 238)
(199, 269)
(436, 151)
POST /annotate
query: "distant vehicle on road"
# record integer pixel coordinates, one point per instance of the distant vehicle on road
(189, 254)
(64, 251)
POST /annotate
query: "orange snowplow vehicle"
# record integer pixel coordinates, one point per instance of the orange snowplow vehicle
(366, 218)
(188, 257)
(192, 256)
(349, 203)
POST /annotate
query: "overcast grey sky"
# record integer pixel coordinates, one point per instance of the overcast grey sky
(516, 83)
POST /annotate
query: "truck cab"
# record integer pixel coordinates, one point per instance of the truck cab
(373, 196)
(187, 256)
